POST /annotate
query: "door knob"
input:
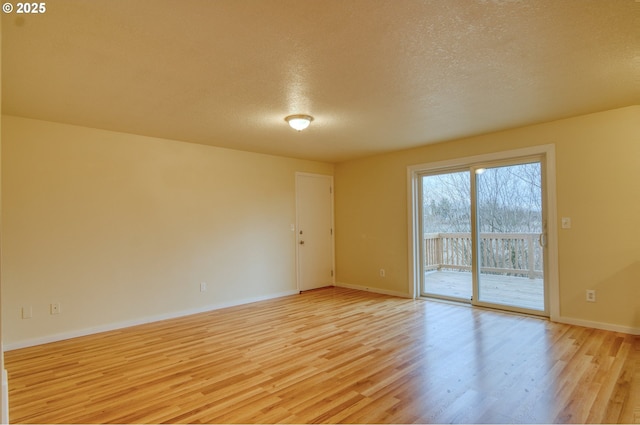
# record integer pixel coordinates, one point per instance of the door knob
(542, 240)
(301, 242)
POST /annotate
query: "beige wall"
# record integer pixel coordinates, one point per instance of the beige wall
(118, 228)
(598, 186)
(4, 387)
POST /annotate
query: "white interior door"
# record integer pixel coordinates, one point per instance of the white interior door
(314, 231)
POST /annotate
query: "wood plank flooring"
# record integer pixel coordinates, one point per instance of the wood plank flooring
(333, 356)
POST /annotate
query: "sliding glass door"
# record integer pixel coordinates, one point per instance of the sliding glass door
(483, 235)
(510, 235)
(446, 223)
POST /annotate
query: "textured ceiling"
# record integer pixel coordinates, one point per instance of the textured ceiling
(377, 75)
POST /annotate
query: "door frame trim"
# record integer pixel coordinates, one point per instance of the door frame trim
(297, 225)
(549, 169)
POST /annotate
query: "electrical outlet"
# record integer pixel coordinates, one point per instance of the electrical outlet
(382, 273)
(566, 222)
(203, 286)
(591, 295)
(27, 312)
(55, 308)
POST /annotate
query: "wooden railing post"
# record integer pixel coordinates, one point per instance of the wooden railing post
(425, 247)
(439, 251)
(531, 255)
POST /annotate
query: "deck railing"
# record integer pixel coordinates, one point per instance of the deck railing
(517, 254)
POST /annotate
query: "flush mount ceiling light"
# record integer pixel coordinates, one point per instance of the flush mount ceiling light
(299, 122)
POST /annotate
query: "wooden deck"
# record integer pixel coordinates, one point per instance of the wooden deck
(520, 292)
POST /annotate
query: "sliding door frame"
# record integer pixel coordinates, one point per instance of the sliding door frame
(547, 155)
(421, 288)
(477, 267)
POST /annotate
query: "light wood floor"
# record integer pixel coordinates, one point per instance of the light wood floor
(333, 355)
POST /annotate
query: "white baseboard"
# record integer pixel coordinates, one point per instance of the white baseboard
(559, 319)
(149, 319)
(375, 290)
(597, 325)
(141, 321)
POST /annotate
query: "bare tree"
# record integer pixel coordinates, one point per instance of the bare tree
(509, 200)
